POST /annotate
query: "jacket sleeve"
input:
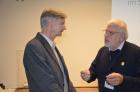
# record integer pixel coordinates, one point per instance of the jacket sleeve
(72, 89)
(39, 74)
(93, 67)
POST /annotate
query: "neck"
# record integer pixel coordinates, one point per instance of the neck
(49, 35)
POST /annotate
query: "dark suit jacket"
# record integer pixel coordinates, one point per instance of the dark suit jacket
(127, 63)
(42, 69)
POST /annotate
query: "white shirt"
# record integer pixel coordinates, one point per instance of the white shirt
(51, 43)
(121, 46)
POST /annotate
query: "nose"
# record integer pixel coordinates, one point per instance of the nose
(105, 34)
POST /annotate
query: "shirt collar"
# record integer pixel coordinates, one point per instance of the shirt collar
(121, 46)
(51, 43)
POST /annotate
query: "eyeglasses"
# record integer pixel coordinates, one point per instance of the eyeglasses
(109, 33)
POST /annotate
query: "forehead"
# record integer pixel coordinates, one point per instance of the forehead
(112, 28)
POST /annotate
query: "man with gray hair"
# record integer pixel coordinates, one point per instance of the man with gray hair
(44, 65)
(117, 64)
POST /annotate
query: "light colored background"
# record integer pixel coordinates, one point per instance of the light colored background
(19, 22)
(129, 11)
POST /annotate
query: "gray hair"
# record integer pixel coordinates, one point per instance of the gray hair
(46, 14)
(121, 26)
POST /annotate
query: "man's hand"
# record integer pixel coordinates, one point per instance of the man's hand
(114, 79)
(85, 75)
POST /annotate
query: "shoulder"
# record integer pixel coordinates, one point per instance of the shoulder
(131, 50)
(34, 46)
(104, 49)
(36, 41)
(33, 43)
(131, 46)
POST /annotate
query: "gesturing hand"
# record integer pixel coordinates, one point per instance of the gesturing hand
(85, 75)
(114, 79)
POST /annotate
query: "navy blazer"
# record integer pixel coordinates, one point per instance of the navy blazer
(42, 69)
(127, 63)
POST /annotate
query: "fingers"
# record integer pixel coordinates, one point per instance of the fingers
(114, 79)
(85, 75)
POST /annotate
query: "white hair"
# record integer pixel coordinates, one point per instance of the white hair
(121, 26)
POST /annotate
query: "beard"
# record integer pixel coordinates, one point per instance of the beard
(107, 44)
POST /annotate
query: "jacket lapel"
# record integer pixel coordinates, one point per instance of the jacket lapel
(48, 48)
(46, 45)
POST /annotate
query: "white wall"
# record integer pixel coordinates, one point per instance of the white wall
(129, 11)
(19, 22)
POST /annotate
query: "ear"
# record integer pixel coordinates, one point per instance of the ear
(49, 23)
(122, 37)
